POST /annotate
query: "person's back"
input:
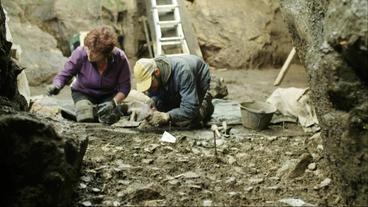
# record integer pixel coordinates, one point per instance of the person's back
(198, 67)
(184, 91)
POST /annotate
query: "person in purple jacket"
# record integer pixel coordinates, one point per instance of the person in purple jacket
(103, 77)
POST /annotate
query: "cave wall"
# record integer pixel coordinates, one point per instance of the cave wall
(331, 37)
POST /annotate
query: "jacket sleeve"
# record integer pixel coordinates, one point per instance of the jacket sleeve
(124, 80)
(71, 68)
(189, 104)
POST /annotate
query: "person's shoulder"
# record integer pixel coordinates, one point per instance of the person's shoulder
(185, 59)
(119, 52)
(80, 49)
(79, 53)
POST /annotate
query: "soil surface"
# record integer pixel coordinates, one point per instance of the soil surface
(129, 167)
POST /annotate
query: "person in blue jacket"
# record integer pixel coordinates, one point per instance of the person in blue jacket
(178, 87)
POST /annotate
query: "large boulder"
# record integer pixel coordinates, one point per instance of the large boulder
(40, 55)
(331, 38)
(240, 33)
(39, 168)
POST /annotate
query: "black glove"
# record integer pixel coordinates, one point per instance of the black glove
(106, 108)
(53, 90)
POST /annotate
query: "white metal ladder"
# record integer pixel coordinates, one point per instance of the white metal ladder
(166, 44)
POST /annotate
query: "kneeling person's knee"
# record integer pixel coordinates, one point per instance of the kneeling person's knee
(84, 111)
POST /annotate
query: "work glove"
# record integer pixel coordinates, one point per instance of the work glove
(158, 118)
(106, 108)
(53, 90)
(139, 114)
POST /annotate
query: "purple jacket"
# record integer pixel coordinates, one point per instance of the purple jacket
(117, 77)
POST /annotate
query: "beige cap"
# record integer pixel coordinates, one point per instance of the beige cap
(143, 71)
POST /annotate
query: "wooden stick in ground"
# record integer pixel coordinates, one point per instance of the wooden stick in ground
(285, 67)
(214, 142)
(214, 128)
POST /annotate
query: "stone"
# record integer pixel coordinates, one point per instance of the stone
(137, 192)
(87, 203)
(96, 190)
(248, 189)
(256, 180)
(231, 181)
(190, 175)
(294, 202)
(147, 161)
(151, 148)
(44, 105)
(323, 184)
(302, 164)
(286, 167)
(312, 166)
(273, 188)
(86, 179)
(174, 182)
(207, 203)
(231, 160)
(82, 186)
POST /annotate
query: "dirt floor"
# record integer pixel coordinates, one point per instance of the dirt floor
(128, 167)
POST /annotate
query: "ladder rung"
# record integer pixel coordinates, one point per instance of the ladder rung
(163, 39)
(165, 8)
(171, 43)
(166, 24)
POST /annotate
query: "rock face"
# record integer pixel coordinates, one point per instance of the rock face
(9, 94)
(38, 167)
(240, 33)
(332, 40)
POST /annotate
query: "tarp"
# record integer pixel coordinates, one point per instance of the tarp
(295, 102)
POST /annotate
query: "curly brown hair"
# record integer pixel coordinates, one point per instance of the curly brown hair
(101, 39)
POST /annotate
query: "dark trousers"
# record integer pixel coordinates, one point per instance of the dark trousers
(78, 96)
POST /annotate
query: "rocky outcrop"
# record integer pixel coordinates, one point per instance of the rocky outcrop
(331, 38)
(240, 33)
